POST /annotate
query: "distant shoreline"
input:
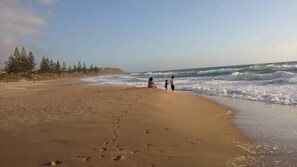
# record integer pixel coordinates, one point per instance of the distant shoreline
(5, 78)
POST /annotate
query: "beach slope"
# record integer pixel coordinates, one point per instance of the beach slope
(66, 124)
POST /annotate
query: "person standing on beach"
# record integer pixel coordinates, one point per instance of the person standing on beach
(172, 83)
(166, 84)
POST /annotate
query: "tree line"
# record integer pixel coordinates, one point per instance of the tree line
(20, 62)
(23, 63)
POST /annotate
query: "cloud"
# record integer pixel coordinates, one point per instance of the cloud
(17, 20)
(48, 2)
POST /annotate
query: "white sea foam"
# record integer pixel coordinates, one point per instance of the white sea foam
(269, 83)
(241, 161)
(257, 91)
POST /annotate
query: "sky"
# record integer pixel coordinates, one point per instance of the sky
(151, 35)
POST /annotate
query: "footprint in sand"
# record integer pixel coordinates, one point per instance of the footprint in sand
(146, 131)
(152, 165)
(85, 159)
(168, 129)
(199, 140)
(191, 142)
(101, 156)
(147, 145)
(103, 149)
(118, 157)
(135, 151)
(52, 163)
(119, 149)
(106, 143)
(194, 141)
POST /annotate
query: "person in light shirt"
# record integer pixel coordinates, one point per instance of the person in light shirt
(172, 84)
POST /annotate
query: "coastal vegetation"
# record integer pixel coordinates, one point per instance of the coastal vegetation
(23, 66)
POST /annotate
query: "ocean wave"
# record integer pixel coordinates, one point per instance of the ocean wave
(158, 73)
(241, 82)
(259, 69)
(286, 67)
(269, 68)
(216, 72)
(253, 93)
(246, 76)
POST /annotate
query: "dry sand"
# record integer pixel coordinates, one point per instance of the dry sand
(75, 125)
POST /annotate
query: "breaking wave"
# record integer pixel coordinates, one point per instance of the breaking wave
(269, 83)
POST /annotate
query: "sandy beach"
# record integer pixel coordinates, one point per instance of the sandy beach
(64, 123)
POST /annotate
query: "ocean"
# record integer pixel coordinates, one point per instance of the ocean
(269, 83)
(264, 97)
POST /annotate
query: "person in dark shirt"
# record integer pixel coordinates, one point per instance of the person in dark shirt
(166, 84)
(150, 83)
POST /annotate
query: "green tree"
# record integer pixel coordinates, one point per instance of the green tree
(16, 52)
(58, 67)
(84, 68)
(91, 69)
(31, 63)
(23, 52)
(23, 61)
(14, 65)
(74, 68)
(96, 70)
(10, 65)
(64, 68)
(52, 66)
(44, 65)
(69, 69)
(17, 60)
(79, 68)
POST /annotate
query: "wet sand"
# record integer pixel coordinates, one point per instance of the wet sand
(271, 126)
(66, 124)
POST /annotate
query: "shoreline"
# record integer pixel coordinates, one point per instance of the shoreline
(90, 125)
(271, 126)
